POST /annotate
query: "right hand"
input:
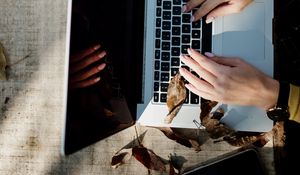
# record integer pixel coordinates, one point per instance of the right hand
(214, 8)
(79, 74)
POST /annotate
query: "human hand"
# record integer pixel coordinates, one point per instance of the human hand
(229, 80)
(82, 72)
(214, 8)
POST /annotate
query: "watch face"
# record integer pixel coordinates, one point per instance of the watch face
(278, 114)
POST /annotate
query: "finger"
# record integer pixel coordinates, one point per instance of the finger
(88, 73)
(222, 10)
(232, 62)
(203, 73)
(205, 8)
(200, 93)
(85, 83)
(211, 66)
(86, 62)
(191, 4)
(84, 53)
(195, 81)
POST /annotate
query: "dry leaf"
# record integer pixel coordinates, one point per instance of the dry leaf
(3, 64)
(171, 135)
(148, 158)
(176, 95)
(240, 139)
(121, 157)
(213, 126)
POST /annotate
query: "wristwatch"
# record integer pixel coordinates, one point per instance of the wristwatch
(281, 112)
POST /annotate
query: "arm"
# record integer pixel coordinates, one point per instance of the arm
(214, 8)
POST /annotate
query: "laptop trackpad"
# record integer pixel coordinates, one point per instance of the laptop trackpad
(244, 34)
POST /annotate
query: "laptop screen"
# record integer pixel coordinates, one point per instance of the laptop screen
(98, 111)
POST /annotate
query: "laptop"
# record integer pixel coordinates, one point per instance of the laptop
(247, 34)
(143, 40)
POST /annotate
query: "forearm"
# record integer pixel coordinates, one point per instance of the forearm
(294, 103)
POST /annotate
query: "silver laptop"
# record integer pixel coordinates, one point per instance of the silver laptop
(247, 34)
(144, 40)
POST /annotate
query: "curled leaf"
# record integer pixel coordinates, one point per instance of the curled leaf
(121, 157)
(148, 158)
(2, 64)
(171, 135)
(176, 95)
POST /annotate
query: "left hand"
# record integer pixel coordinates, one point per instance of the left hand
(229, 80)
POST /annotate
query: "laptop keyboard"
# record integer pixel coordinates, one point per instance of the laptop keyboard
(174, 34)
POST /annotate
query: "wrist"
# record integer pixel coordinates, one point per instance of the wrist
(271, 93)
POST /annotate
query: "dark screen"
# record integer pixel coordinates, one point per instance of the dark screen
(109, 106)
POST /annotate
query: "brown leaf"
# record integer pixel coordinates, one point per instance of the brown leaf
(121, 157)
(148, 158)
(3, 64)
(176, 95)
(213, 126)
(206, 106)
(171, 135)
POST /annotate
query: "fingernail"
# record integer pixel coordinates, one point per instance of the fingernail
(102, 54)
(209, 20)
(101, 66)
(97, 47)
(208, 54)
(192, 18)
(97, 79)
(183, 9)
(189, 50)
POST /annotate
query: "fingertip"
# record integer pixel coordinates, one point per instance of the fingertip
(97, 79)
(96, 46)
(209, 20)
(208, 54)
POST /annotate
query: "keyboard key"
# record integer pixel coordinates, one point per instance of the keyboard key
(165, 56)
(165, 66)
(164, 77)
(158, 2)
(194, 98)
(184, 49)
(177, 2)
(176, 10)
(166, 15)
(156, 75)
(176, 20)
(166, 35)
(196, 44)
(164, 87)
(158, 22)
(196, 24)
(167, 5)
(175, 41)
(175, 51)
(186, 39)
(157, 54)
(165, 45)
(166, 25)
(176, 31)
(156, 65)
(158, 12)
(174, 71)
(157, 33)
(163, 97)
(175, 61)
(186, 18)
(157, 43)
(196, 34)
(156, 86)
(186, 28)
(155, 97)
